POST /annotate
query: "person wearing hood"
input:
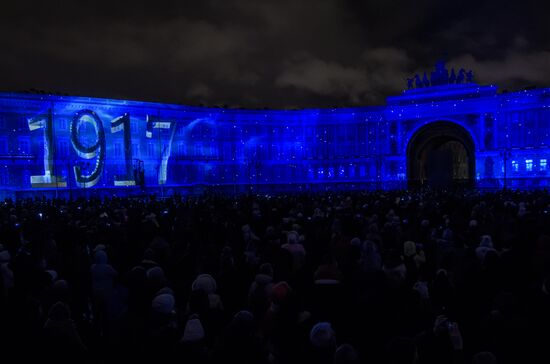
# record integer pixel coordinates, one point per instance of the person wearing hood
(203, 293)
(103, 275)
(413, 259)
(259, 294)
(207, 283)
(346, 354)
(61, 341)
(163, 328)
(322, 340)
(371, 260)
(6, 272)
(296, 249)
(251, 244)
(192, 345)
(394, 267)
(103, 289)
(240, 343)
(485, 246)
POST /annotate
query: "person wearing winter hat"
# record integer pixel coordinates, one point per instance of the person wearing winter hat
(155, 280)
(323, 343)
(242, 325)
(60, 291)
(4, 255)
(53, 275)
(62, 343)
(6, 272)
(207, 283)
(149, 260)
(485, 246)
(204, 282)
(280, 293)
(99, 247)
(409, 249)
(164, 304)
(371, 259)
(346, 354)
(166, 290)
(155, 273)
(394, 267)
(103, 275)
(251, 242)
(193, 343)
(322, 335)
(194, 331)
(259, 294)
(413, 259)
(296, 249)
(328, 271)
(163, 331)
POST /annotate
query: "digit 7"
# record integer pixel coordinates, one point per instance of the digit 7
(170, 126)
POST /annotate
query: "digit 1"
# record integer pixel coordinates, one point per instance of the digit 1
(96, 150)
(155, 123)
(118, 124)
(48, 179)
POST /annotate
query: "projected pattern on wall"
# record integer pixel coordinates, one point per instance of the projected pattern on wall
(81, 143)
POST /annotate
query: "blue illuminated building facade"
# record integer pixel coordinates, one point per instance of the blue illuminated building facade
(73, 144)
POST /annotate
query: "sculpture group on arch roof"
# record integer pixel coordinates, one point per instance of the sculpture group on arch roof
(440, 76)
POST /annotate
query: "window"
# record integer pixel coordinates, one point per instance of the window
(118, 150)
(4, 176)
(3, 146)
(62, 124)
(341, 172)
(275, 152)
(529, 165)
(63, 147)
(24, 146)
(150, 150)
(515, 166)
(198, 149)
(542, 165)
(351, 170)
(181, 148)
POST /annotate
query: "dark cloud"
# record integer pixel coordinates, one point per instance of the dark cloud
(274, 53)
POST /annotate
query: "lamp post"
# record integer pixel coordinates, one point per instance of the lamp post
(505, 154)
(69, 180)
(83, 166)
(379, 163)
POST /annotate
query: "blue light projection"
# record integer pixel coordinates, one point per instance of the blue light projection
(77, 143)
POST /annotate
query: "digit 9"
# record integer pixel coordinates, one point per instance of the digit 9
(95, 150)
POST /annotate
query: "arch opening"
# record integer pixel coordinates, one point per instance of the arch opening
(441, 154)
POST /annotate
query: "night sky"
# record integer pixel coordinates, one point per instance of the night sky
(267, 53)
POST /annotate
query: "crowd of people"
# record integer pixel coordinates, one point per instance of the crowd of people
(361, 277)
